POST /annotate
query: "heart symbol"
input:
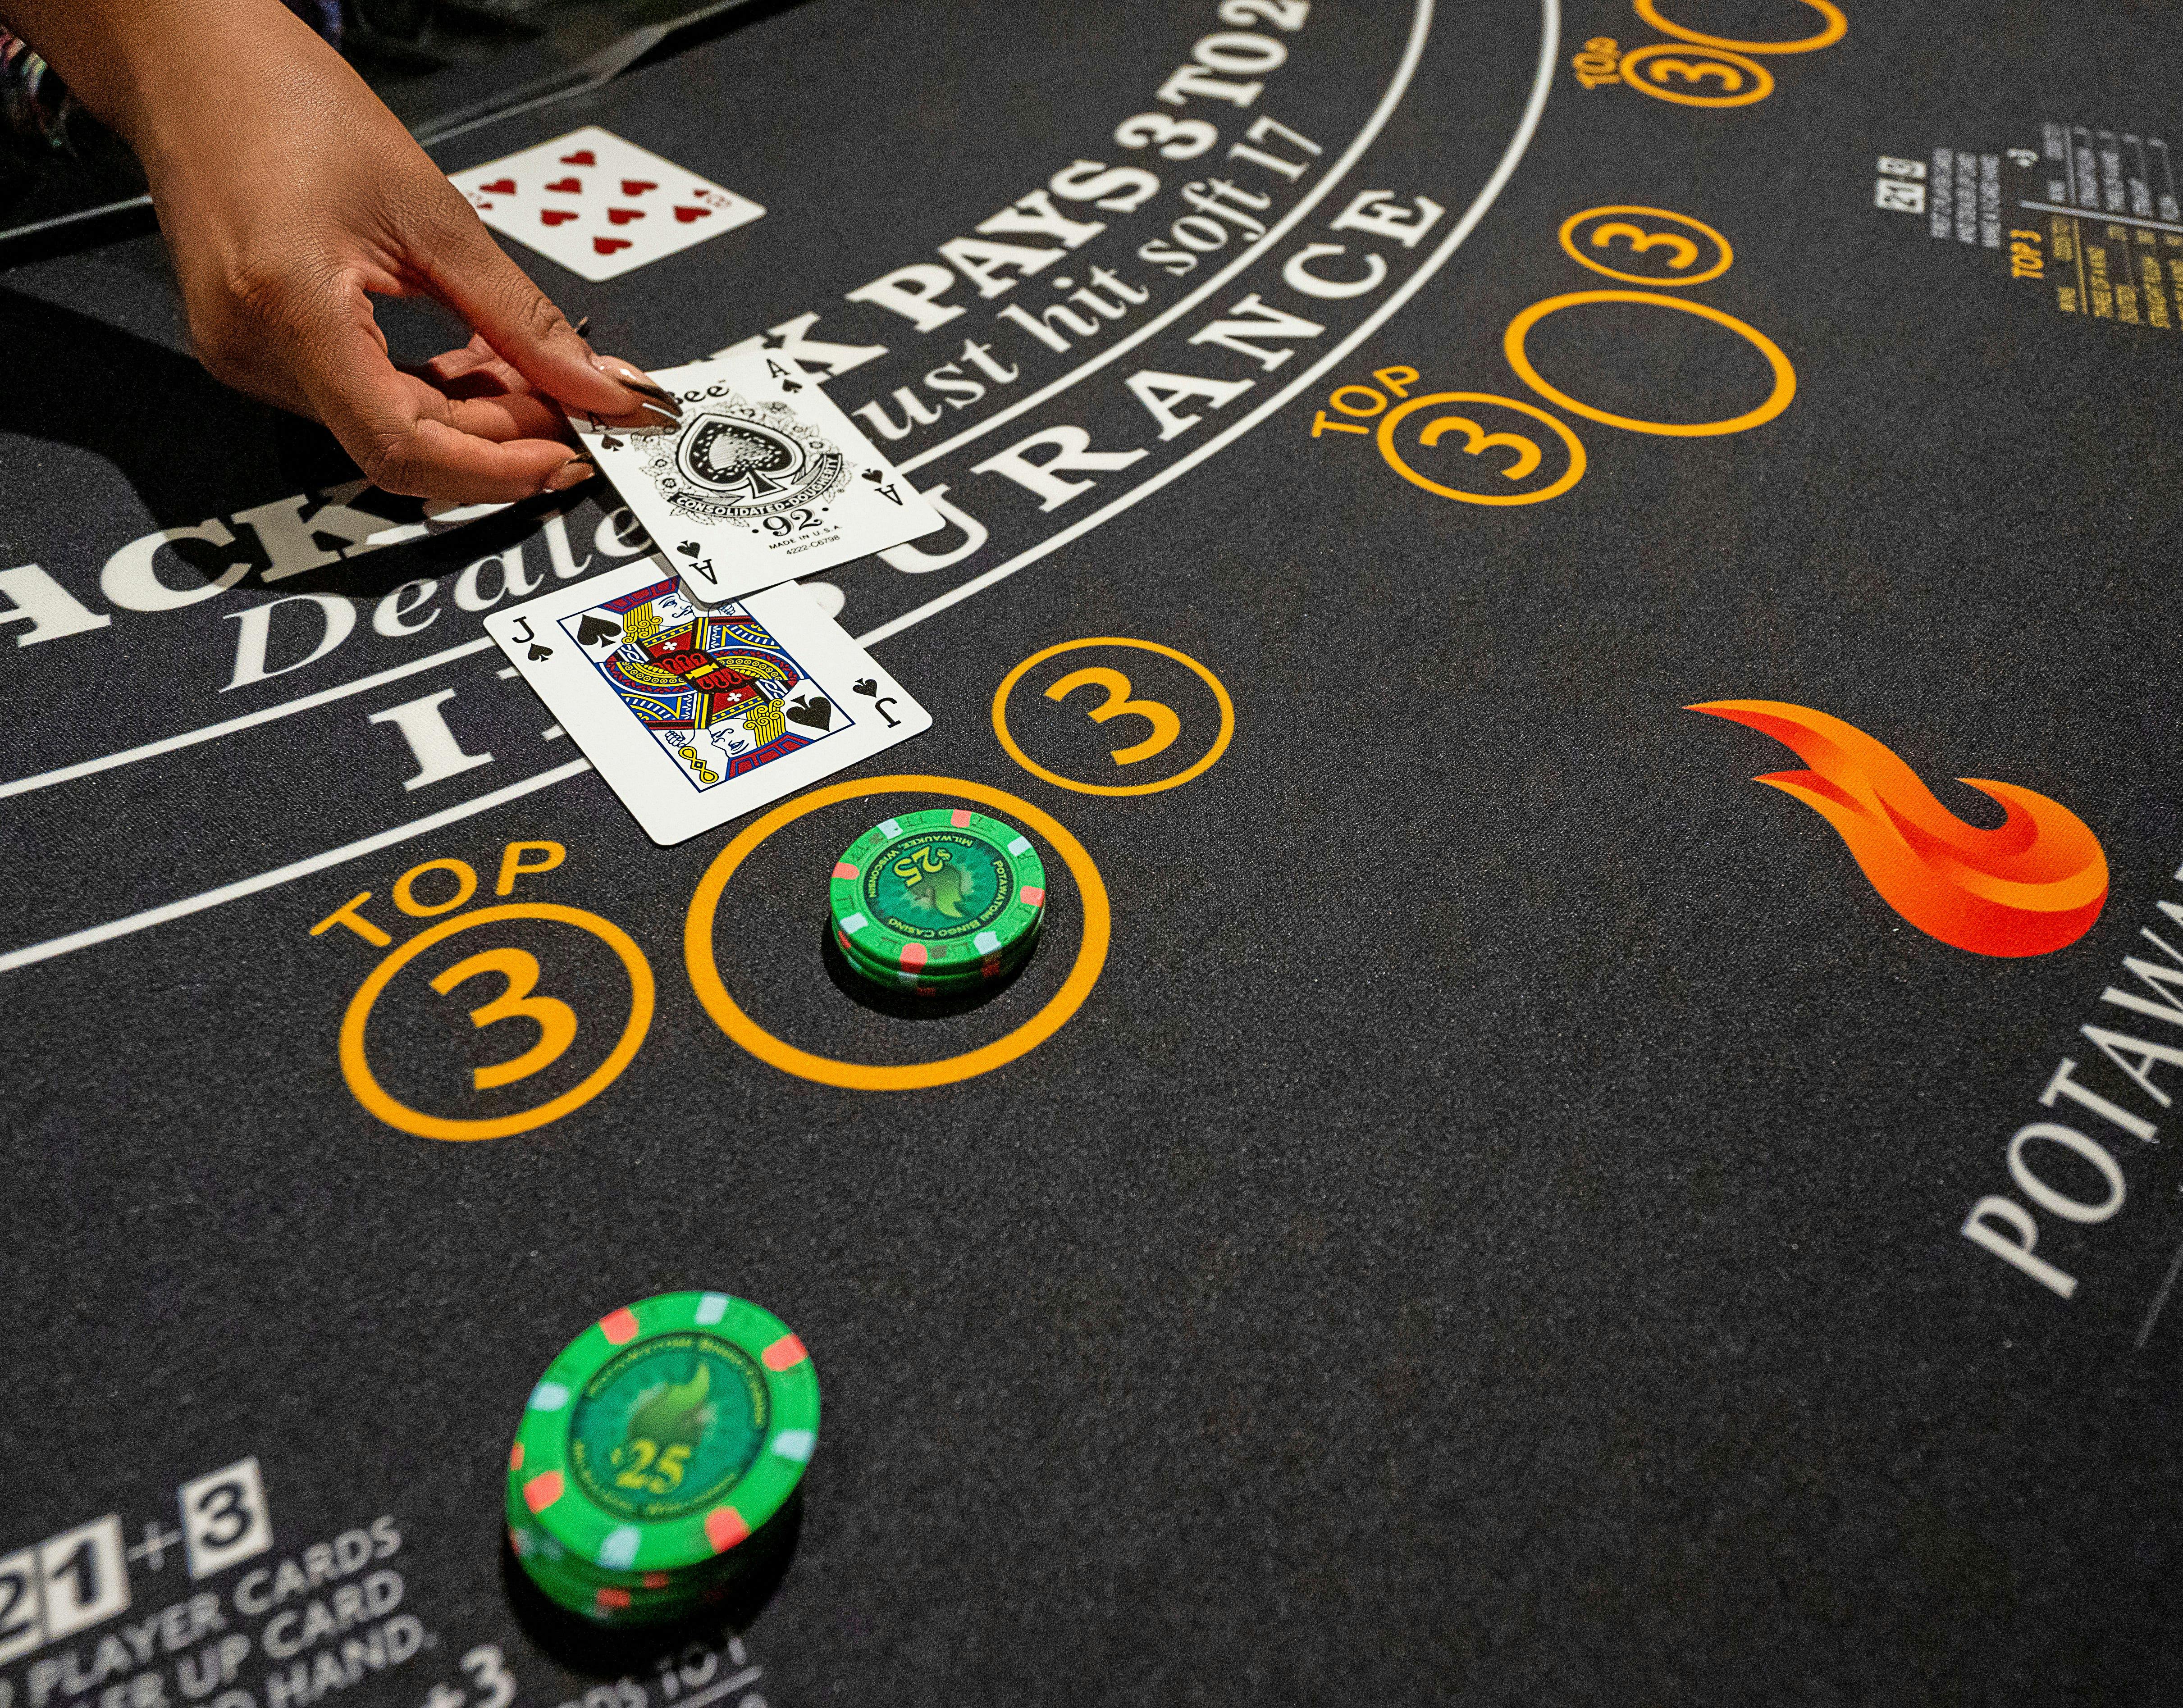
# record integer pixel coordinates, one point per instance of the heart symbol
(582, 157)
(636, 186)
(868, 687)
(593, 629)
(622, 216)
(557, 216)
(606, 245)
(567, 187)
(499, 186)
(811, 711)
(685, 215)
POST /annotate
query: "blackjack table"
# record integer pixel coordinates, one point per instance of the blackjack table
(1471, 1197)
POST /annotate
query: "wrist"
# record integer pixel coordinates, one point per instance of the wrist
(155, 70)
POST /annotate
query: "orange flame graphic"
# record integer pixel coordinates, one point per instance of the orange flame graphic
(2034, 885)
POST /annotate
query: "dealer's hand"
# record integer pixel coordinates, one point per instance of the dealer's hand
(290, 197)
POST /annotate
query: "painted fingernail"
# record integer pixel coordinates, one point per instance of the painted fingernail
(573, 473)
(629, 374)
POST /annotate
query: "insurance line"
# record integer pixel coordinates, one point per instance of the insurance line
(1519, 143)
(1390, 98)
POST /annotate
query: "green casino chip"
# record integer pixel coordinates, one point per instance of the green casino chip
(964, 981)
(964, 978)
(987, 973)
(605, 1603)
(610, 1607)
(545, 1560)
(939, 891)
(650, 1595)
(661, 1437)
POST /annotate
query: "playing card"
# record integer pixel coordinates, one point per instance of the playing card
(697, 714)
(599, 206)
(765, 479)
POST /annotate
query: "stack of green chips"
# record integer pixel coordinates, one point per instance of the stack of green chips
(661, 1438)
(942, 902)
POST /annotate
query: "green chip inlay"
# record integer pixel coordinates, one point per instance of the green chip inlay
(656, 1442)
(668, 1426)
(940, 891)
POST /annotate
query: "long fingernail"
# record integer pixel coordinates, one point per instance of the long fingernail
(583, 325)
(629, 374)
(573, 473)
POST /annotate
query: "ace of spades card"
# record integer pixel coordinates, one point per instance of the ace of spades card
(763, 478)
(599, 206)
(697, 714)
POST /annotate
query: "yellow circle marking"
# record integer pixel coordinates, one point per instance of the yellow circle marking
(1785, 376)
(704, 967)
(1742, 81)
(374, 1097)
(1479, 441)
(1015, 753)
(1835, 27)
(1641, 240)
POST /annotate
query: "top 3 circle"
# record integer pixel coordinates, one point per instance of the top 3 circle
(1835, 27)
(1643, 241)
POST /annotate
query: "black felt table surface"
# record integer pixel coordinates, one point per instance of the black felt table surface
(1491, 1232)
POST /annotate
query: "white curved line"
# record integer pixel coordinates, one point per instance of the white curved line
(249, 720)
(284, 875)
(1413, 51)
(1542, 82)
(1549, 43)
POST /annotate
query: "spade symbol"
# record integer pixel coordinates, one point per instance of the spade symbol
(874, 476)
(812, 711)
(538, 653)
(610, 443)
(791, 385)
(689, 548)
(595, 629)
(871, 689)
